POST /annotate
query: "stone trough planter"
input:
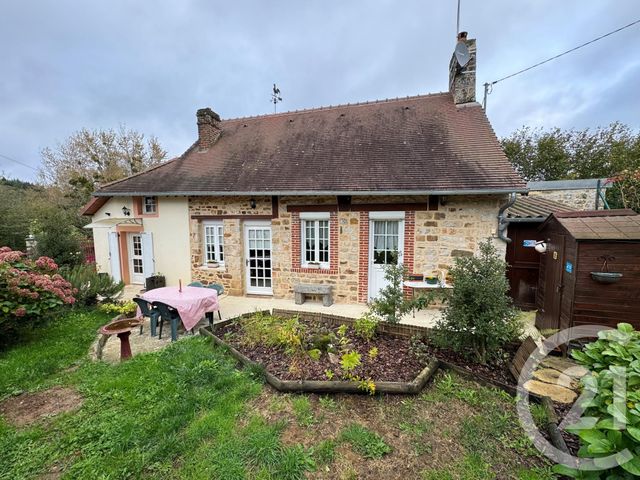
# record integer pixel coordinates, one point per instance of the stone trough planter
(332, 386)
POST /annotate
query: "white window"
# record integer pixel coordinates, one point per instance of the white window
(213, 242)
(315, 239)
(149, 205)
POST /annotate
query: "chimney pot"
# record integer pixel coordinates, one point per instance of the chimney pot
(209, 128)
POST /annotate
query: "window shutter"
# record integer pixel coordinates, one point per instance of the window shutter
(148, 259)
(114, 256)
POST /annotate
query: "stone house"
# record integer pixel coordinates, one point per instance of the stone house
(321, 196)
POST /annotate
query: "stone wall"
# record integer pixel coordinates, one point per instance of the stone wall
(435, 238)
(456, 229)
(582, 199)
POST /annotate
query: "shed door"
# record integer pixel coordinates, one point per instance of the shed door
(554, 286)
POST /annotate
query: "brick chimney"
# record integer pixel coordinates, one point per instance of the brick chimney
(462, 80)
(209, 128)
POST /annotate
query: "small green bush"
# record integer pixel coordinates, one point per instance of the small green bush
(122, 308)
(365, 326)
(611, 421)
(391, 304)
(479, 319)
(91, 284)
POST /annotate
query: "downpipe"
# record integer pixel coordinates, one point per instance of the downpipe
(503, 223)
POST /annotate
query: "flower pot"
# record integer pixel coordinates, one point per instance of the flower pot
(155, 281)
(431, 280)
(606, 277)
(213, 264)
(313, 265)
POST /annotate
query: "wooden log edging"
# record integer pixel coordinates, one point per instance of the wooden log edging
(321, 386)
(552, 425)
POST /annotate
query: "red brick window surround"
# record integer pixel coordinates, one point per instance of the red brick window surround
(296, 246)
(363, 260)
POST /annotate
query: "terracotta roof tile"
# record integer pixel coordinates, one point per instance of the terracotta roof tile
(422, 143)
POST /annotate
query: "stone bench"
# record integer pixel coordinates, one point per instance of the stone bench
(302, 289)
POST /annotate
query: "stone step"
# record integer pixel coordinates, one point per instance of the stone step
(555, 392)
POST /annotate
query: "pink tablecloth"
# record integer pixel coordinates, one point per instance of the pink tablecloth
(192, 303)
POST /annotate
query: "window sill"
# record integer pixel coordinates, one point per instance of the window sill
(219, 268)
(325, 271)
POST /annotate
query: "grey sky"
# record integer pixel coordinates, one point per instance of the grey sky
(150, 64)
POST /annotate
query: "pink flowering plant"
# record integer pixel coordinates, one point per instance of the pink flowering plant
(30, 289)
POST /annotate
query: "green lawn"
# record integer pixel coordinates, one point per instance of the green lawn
(187, 412)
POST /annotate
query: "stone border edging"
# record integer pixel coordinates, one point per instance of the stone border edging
(321, 386)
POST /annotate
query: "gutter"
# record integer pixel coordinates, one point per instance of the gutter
(311, 192)
(503, 222)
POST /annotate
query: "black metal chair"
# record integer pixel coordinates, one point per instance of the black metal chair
(220, 290)
(148, 311)
(168, 314)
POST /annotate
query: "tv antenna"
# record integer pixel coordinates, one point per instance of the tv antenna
(275, 97)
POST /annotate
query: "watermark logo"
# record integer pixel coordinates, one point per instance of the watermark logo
(575, 418)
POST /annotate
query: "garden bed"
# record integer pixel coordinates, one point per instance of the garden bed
(386, 360)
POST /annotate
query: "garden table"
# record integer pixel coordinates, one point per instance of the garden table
(191, 303)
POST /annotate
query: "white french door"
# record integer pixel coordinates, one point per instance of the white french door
(136, 258)
(257, 242)
(386, 242)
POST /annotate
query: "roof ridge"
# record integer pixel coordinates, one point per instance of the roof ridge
(150, 169)
(331, 107)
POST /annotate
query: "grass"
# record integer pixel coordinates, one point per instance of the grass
(187, 412)
(365, 442)
(45, 351)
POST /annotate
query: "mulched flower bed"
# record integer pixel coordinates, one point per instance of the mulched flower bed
(394, 362)
(497, 371)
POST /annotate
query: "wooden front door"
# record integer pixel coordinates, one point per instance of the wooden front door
(553, 281)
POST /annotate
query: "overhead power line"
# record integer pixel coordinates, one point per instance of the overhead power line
(19, 162)
(489, 85)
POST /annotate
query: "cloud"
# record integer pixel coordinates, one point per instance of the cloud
(150, 65)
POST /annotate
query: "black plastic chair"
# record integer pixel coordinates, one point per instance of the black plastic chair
(148, 311)
(168, 314)
(220, 289)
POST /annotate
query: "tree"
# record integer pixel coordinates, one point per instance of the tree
(555, 154)
(89, 158)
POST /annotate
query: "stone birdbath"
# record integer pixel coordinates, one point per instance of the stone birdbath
(122, 328)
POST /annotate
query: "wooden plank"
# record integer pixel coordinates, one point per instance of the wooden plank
(527, 347)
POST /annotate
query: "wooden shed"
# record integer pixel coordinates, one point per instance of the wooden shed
(525, 217)
(580, 245)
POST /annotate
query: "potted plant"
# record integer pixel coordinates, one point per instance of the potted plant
(157, 280)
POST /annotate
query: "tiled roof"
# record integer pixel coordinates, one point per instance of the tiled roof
(601, 224)
(418, 144)
(534, 209)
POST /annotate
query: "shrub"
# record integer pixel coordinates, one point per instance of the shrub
(91, 284)
(123, 308)
(479, 318)
(611, 421)
(29, 289)
(390, 304)
(365, 326)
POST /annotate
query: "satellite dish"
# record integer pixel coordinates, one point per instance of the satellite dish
(462, 54)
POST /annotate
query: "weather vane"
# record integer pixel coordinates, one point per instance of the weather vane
(275, 97)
